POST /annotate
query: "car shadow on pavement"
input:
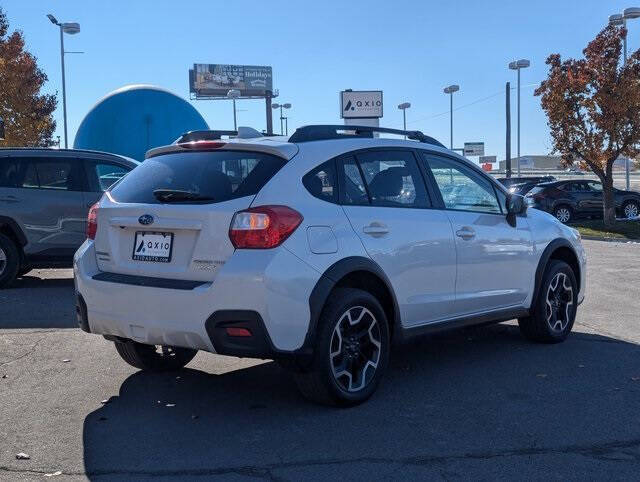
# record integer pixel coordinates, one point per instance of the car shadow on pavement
(448, 403)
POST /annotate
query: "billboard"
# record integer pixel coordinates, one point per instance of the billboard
(360, 104)
(219, 79)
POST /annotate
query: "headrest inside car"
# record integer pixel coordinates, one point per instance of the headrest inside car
(387, 183)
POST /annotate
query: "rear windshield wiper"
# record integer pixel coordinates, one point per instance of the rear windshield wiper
(170, 195)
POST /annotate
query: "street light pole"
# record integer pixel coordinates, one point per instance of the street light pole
(233, 94)
(518, 65)
(64, 88)
(621, 19)
(450, 90)
(70, 28)
(403, 107)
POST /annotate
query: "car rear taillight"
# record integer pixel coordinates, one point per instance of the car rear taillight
(92, 222)
(263, 227)
(202, 145)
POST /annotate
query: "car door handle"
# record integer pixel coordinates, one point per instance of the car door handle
(376, 229)
(466, 233)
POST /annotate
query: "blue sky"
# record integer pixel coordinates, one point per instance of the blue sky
(408, 49)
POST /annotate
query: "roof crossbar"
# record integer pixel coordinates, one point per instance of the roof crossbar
(327, 132)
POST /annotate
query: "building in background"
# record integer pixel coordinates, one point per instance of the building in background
(535, 162)
(135, 118)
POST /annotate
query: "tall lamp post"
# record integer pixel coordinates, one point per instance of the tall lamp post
(403, 107)
(282, 106)
(71, 28)
(233, 94)
(450, 90)
(621, 19)
(519, 65)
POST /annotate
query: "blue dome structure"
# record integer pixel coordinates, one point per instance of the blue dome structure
(135, 118)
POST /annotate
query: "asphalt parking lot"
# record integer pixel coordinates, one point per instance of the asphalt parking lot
(477, 404)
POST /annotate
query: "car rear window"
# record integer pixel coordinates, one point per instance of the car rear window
(536, 190)
(215, 176)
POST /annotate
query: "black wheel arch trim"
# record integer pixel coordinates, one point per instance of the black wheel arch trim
(330, 278)
(544, 261)
(15, 228)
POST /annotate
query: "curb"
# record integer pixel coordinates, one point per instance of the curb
(611, 240)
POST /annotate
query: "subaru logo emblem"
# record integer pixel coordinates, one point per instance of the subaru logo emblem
(146, 219)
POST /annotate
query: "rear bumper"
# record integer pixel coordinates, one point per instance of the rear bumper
(273, 284)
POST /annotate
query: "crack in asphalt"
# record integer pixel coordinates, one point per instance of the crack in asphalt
(609, 451)
(5, 331)
(31, 351)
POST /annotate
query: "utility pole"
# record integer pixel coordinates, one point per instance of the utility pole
(267, 99)
(508, 146)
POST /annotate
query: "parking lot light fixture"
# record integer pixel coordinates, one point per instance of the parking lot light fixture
(282, 118)
(450, 90)
(403, 107)
(70, 28)
(233, 94)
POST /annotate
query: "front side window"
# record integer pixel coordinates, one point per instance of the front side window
(461, 188)
(197, 177)
(393, 178)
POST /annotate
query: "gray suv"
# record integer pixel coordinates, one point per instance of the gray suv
(45, 195)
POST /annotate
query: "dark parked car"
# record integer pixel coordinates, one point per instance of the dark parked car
(568, 200)
(510, 181)
(45, 195)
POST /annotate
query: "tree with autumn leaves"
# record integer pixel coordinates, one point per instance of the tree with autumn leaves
(27, 114)
(593, 108)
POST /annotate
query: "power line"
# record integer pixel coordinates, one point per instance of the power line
(413, 121)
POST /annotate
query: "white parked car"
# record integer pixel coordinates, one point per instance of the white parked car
(316, 250)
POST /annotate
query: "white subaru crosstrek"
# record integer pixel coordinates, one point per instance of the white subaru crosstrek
(316, 250)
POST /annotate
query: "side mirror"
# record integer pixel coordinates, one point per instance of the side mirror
(516, 205)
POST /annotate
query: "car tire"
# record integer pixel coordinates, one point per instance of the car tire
(563, 213)
(152, 358)
(554, 310)
(351, 350)
(631, 209)
(9, 261)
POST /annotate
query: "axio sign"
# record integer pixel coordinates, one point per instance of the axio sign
(361, 104)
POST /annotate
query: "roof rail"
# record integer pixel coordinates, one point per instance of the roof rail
(204, 135)
(326, 132)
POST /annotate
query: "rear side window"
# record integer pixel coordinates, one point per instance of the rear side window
(321, 182)
(51, 174)
(8, 173)
(103, 175)
(207, 176)
(393, 178)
